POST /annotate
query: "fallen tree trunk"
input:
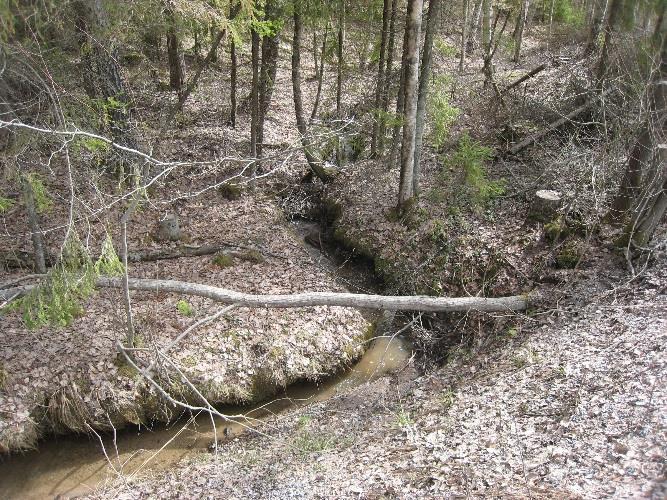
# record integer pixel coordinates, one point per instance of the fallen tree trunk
(309, 299)
(525, 77)
(183, 251)
(558, 123)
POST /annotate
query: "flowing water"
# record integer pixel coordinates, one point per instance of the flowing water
(77, 464)
(73, 465)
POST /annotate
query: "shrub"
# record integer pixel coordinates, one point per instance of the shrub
(441, 113)
(5, 204)
(223, 260)
(57, 301)
(185, 308)
(470, 158)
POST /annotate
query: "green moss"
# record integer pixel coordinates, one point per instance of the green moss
(223, 261)
(3, 377)
(569, 255)
(230, 191)
(556, 229)
(252, 256)
(5, 204)
(124, 369)
(189, 361)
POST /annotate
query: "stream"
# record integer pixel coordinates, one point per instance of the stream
(73, 465)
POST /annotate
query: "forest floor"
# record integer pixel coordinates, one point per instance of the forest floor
(565, 402)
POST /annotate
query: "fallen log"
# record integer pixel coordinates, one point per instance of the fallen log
(184, 251)
(309, 299)
(525, 77)
(558, 123)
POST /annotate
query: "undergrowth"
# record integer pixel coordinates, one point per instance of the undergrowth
(57, 301)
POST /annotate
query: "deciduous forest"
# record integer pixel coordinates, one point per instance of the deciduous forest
(299, 249)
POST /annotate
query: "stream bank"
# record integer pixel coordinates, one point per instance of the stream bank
(60, 380)
(74, 464)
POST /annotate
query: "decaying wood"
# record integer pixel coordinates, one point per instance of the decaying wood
(309, 299)
(557, 124)
(525, 77)
(183, 251)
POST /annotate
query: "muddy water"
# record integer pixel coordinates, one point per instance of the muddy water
(75, 465)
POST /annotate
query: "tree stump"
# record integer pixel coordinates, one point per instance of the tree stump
(545, 205)
(169, 228)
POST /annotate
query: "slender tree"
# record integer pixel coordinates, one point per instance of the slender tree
(235, 8)
(269, 67)
(598, 11)
(411, 61)
(339, 57)
(424, 77)
(644, 182)
(388, 71)
(314, 164)
(464, 34)
(39, 251)
(486, 25)
(254, 95)
(400, 100)
(320, 76)
(174, 54)
(380, 78)
(520, 27)
(615, 8)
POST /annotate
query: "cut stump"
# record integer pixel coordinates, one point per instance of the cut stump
(545, 206)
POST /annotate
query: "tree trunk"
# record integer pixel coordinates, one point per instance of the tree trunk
(387, 72)
(310, 299)
(33, 222)
(400, 100)
(102, 81)
(380, 78)
(313, 163)
(424, 77)
(521, 26)
(474, 25)
(315, 51)
(254, 102)
(234, 11)
(341, 62)
(411, 58)
(486, 26)
(464, 34)
(615, 7)
(174, 55)
(649, 218)
(320, 77)
(645, 179)
(269, 68)
(599, 9)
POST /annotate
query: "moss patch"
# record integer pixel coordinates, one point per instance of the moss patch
(230, 191)
(223, 260)
(569, 255)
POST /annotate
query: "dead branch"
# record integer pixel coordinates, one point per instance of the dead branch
(558, 123)
(525, 77)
